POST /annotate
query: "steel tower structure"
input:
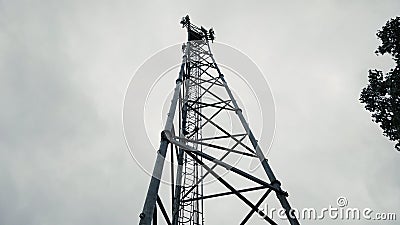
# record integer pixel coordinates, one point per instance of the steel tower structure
(201, 95)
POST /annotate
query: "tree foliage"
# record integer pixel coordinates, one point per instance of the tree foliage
(382, 94)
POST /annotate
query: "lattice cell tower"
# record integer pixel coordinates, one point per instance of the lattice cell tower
(200, 96)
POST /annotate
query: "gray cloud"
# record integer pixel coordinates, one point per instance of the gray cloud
(64, 68)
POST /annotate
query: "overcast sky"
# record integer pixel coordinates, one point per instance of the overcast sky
(65, 67)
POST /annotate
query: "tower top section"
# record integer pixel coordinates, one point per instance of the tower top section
(196, 33)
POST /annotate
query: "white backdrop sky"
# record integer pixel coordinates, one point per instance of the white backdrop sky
(65, 66)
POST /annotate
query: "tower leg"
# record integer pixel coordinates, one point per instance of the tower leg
(178, 188)
(152, 192)
(264, 162)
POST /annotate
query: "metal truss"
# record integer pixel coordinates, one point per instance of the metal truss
(201, 96)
